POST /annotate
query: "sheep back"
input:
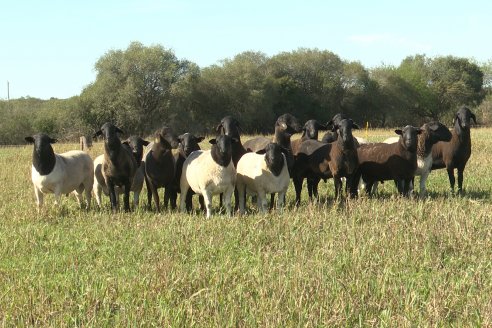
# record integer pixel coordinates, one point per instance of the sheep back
(252, 171)
(203, 174)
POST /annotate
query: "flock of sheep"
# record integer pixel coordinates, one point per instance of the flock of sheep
(258, 167)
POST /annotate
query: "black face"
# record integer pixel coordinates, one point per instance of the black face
(168, 134)
(229, 126)
(464, 116)
(222, 143)
(409, 136)
(437, 131)
(344, 128)
(289, 124)
(108, 131)
(188, 143)
(43, 158)
(137, 144)
(311, 129)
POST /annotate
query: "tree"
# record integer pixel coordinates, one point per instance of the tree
(133, 87)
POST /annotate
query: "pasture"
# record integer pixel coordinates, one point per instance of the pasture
(382, 261)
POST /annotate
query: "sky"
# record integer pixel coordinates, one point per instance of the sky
(49, 48)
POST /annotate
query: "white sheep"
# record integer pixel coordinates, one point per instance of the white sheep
(59, 173)
(210, 172)
(262, 174)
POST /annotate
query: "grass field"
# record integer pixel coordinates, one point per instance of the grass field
(384, 261)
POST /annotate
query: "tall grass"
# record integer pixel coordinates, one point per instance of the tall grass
(383, 261)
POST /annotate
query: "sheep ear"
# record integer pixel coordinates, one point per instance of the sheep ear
(398, 131)
(355, 126)
(29, 139)
(234, 140)
(212, 141)
(145, 142)
(118, 130)
(52, 140)
(219, 127)
(199, 139)
(126, 142)
(419, 131)
(322, 127)
(334, 128)
(261, 151)
(473, 117)
(97, 134)
(329, 124)
(283, 125)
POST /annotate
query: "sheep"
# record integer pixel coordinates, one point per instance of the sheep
(316, 159)
(432, 133)
(136, 144)
(159, 166)
(331, 136)
(381, 161)
(309, 132)
(230, 126)
(119, 165)
(59, 173)
(456, 152)
(210, 172)
(188, 143)
(285, 126)
(263, 173)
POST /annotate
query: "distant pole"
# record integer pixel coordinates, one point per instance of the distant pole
(8, 91)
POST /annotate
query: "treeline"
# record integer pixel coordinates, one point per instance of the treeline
(141, 88)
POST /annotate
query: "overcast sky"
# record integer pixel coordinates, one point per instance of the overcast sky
(49, 48)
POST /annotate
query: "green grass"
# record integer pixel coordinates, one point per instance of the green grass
(384, 261)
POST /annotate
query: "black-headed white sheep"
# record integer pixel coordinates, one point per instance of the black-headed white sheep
(261, 174)
(455, 153)
(119, 165)
(59, 173)
(210, 172)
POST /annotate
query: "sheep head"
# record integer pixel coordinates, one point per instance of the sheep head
(188, 143)
(229, 126)
(463, 117)
(288, 124)
(408, 137)
(311, 128)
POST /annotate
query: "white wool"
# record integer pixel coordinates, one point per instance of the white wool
(255, 178)
(101, 187)
(205, 177)
(73, 171)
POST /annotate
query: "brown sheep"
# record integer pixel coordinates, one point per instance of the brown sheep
(455, 153)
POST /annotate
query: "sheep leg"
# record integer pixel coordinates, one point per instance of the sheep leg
(227, 200)
(112, 196)
(338, 187)
(281, 201)
(310, 188)
(423, 180)
(460, 180)
(207, 197)
(241, 198)
(155, 195)
(201, 201)
(184, 194)
(167, 197)
(272, 201)
(298, 188)
(173, 197)
(136, 198)
(451, 178)
(97, 194)
(149, 193)
(126, 196)
(39, 197)
(262, 202)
